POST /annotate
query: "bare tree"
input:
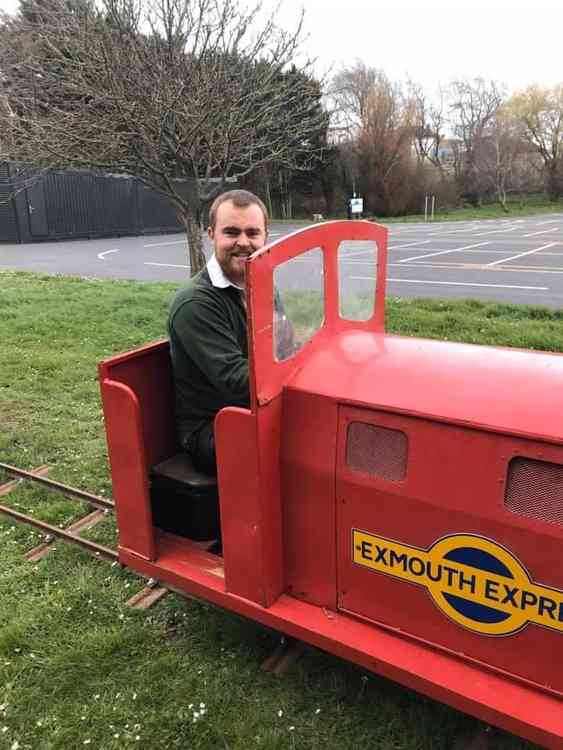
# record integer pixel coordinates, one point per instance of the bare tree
(540, 110)
(386, 147)
(430, 124)
(501, 154)
(351, 90)
(183, 94)
(473, 105)
(349, 94)
(379, 124)
(6, 117)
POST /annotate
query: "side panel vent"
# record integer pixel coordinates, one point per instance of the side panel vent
(535, 489)
(379, 451)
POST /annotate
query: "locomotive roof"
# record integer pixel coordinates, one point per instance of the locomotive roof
(502, 389)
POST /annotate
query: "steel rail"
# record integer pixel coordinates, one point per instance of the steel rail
(50, 484)
(98, 549)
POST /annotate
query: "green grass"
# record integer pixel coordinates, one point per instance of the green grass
(468, 320)
(80, 670)
(530, 206)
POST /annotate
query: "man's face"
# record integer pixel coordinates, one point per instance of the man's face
(238, 232)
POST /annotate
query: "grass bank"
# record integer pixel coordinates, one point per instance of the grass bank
(77, 669)
(529, 206)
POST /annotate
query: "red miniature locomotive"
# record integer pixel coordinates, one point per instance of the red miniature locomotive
(395, 501)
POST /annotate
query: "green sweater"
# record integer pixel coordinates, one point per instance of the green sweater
(209, 349)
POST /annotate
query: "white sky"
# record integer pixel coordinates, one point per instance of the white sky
(516, 42)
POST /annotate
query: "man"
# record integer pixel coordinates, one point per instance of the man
(207, 326)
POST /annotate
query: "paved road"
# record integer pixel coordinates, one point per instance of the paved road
(508, 260)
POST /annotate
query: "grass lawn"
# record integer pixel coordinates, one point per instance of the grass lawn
(531, 205)
(78, 669)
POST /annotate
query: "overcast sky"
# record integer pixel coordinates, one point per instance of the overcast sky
(516, 42)
(512, 41)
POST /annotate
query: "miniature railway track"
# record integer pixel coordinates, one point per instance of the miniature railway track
(50, 484)
(97, 549)
(149, 595)
(278, 663)
(71, 534)
(152, 591)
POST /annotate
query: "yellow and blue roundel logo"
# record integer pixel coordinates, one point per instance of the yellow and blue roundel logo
(475, 581)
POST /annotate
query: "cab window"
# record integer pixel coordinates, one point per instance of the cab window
(299, 308)
(357, 265)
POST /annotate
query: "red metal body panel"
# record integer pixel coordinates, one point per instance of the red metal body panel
(470, 688)
(146, 371)
(302, 525)
(435, 500)
(136, 393)
(240, 503)
(308, 492)
(128, 462)
(505, 390)
(249, 490)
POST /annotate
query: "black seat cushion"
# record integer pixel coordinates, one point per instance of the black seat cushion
(184, 501)
(180, 468)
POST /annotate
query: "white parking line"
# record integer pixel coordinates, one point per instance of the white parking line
(409, 244)
(496, 231)
(465, 230)
(478, 267)
(533, 234)
(457, 283)
(443, 252)
(452, 264)
(106, 252)
(521, 255)
(369, 251)
(166, 265)
(551, 221)
(162, 244)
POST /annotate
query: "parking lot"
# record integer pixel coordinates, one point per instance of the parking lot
(516, 260)
(508, 260)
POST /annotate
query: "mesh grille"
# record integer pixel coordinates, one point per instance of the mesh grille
(377, 450)
(535, 489)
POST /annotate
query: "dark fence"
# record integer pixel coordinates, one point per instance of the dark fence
(68, 205)
(8, 221)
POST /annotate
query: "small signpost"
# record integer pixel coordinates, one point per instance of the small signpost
(356, 207)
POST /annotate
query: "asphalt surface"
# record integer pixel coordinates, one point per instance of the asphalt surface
(506, 260)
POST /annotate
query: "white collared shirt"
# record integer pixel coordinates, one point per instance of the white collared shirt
(218, 278)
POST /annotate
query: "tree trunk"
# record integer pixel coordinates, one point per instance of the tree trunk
(501, 193)
(282, 194)
(269, 198)
(327, 186)
(195, 242)
(553, 184)
(502, 200)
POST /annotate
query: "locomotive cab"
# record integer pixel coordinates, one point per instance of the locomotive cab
(395, 501)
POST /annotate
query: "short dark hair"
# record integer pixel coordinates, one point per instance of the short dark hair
(239, 199)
